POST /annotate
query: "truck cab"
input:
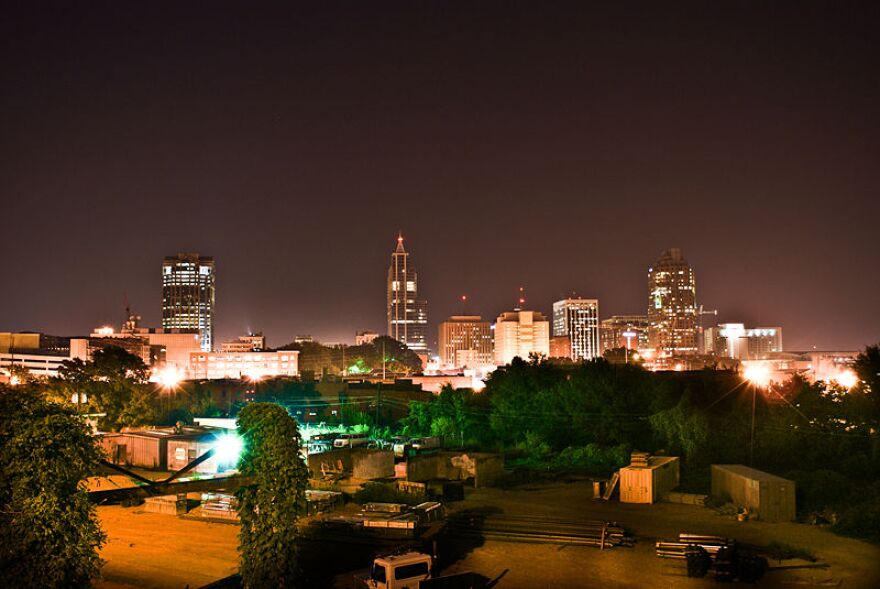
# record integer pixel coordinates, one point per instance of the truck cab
(401, 571)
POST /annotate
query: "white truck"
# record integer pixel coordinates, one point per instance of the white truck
(414, 570)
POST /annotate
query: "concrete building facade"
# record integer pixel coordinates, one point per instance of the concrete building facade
(252, 365)
(465, 342)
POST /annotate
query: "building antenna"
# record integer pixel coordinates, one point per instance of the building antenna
(521, 302)
(464, 304)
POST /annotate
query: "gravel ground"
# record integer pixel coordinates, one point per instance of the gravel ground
(164, 551)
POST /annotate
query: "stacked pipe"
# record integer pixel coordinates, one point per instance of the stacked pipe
(689, 542)
(535, 529)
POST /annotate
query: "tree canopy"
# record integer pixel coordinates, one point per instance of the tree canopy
(113, 382)
(270, 506)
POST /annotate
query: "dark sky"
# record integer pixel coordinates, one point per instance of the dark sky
(561, 150)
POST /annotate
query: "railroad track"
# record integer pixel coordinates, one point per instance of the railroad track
(539, 530)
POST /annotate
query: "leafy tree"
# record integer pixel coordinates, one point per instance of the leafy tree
(270, 506)
(114, 383)
(867, 367)
(684, 427)
(49, 532)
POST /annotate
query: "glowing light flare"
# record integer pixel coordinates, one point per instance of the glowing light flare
(227, 449)
(757, 374)
(169, 377)
(847, 379)
(254, 375)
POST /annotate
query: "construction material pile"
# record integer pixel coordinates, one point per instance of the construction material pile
(541, 530)
(716, 553)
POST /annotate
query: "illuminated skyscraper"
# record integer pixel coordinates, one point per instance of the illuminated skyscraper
(578, 320)
(188, 295)
(407, 314)
(672, 306)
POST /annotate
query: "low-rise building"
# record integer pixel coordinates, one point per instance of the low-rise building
(255, 342)
(252, 365)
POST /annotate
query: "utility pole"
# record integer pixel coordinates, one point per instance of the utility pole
(752, 435)
(378, 401)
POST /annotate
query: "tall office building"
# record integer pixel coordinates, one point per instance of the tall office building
(407, 314)
(465, 342)
(672, 305)
(520, 333)
(188, 295)
(578, 320)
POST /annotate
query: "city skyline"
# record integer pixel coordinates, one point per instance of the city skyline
(349, 335)
(290, 152)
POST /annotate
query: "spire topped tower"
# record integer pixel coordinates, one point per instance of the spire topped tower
(407, 315)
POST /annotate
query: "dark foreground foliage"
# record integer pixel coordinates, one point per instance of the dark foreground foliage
(49, 532)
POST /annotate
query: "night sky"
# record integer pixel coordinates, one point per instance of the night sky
(560, 150)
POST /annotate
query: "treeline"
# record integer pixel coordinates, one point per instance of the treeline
(318, 359)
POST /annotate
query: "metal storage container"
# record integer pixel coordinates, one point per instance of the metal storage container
(767, 496)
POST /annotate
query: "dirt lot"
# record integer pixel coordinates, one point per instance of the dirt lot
(153, 550)
(852, 563)
(164, 551)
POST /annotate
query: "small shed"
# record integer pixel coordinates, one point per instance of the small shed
(767, 496)
(650, 480)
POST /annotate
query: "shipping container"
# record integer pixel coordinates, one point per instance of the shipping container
(767, 496)
(649, 484)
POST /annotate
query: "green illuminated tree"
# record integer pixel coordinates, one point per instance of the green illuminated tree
(270, 506)
(49, 533)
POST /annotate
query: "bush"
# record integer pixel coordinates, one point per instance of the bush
(593, 458)
(862, 520)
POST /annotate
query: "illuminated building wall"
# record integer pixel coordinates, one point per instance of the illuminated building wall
(578, 320)
(624, 331)
(465, 342)
(365, 337)
(734, 340)
(245, 343)
(252, 365)
(520, 333)
(167, 346)
(672, 310)
(188, 295)
(407, 314)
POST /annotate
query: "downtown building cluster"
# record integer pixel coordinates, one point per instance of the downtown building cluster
(668, 336)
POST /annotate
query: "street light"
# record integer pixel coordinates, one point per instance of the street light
(759, 376)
